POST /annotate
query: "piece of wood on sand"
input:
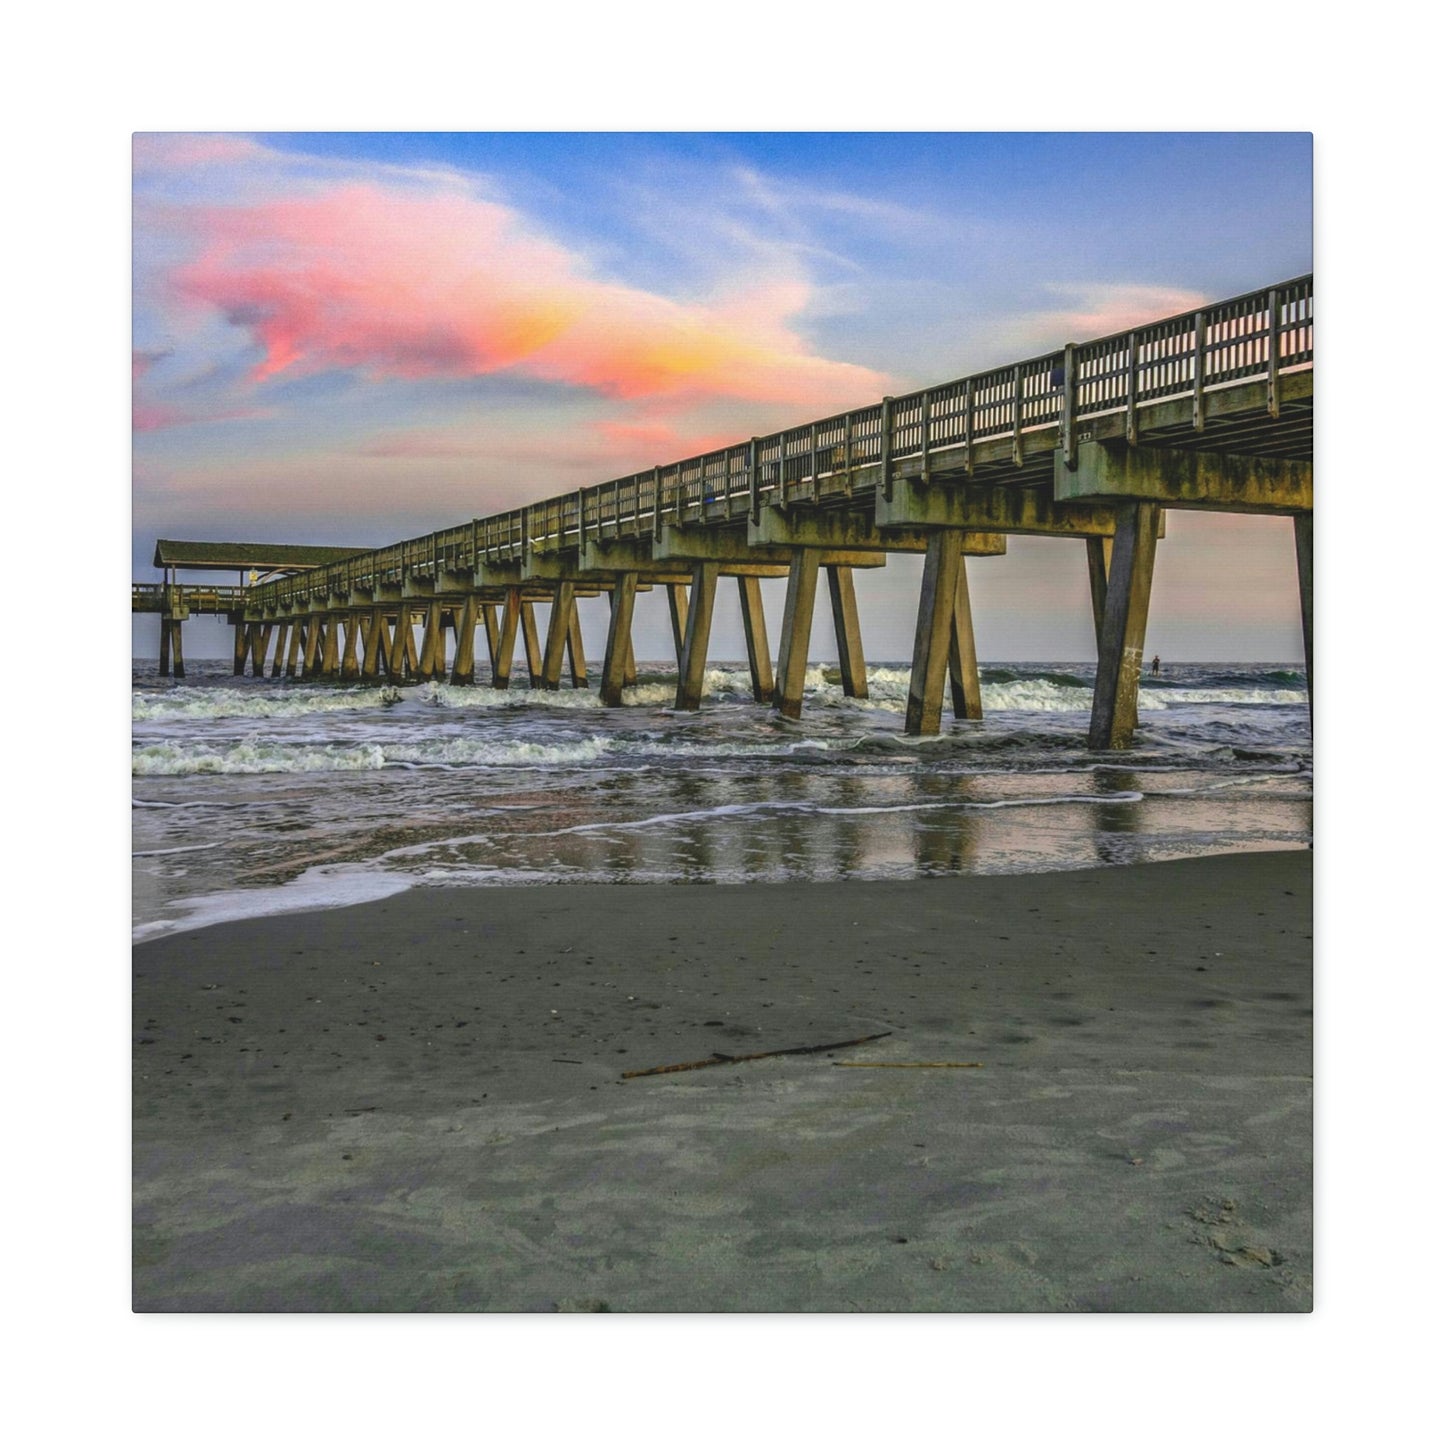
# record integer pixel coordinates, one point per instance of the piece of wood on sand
(749, 1058)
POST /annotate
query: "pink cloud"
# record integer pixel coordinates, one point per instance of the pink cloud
(659, 439)
(1101, 310)
(438, 282)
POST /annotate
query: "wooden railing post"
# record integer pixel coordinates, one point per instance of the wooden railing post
(1068, 439)
(885, 446)
(1272, 374)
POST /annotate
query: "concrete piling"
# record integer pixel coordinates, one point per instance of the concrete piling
(677, 607)
(464, 667)
(559, 624)
(530, 645)
(932, 643)
(576, 657)
(1126, 615)
(755, 631)
(962, 654)
(797, 630)
(1099, 551)
(846, 632)
(507, 640)
(699, 626)
(619, 639)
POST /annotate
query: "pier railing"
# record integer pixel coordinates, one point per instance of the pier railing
(160, 597)
(1264, 334)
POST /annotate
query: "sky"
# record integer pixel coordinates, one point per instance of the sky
(349, 339)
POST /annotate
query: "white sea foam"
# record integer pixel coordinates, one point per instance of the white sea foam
(332, 886)
(254, 755)
(197, 702)
(1227, 696)
(444, 695)
(480, 752)
(259, 755)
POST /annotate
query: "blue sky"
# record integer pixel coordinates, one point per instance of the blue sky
(355, 338)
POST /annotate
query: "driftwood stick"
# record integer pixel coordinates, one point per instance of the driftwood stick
(906, 1065)
(748, 1058)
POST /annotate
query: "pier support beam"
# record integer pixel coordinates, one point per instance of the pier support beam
(260, 637)
(278, 656)
(1304, 552)
(408, 646)
(429, 665)
(980, 507)
(677, 607)
(489, 620)
(330, 648)
(559, 624)
(464, 666)
(350, 671)
(530, 645)
(755, 630)
(846, 631)
(172, 659)
(1100, 549)
(396, 657)
(1209, 481)
(576, 657)
(629, 666)
(932, 643)
(299, 630)
(962, 654)
(507, 639)
(238, 663)
(375, 645)
(315, 627)
(1126, 614)
(797, 629)
(619, 640)
(699, 626)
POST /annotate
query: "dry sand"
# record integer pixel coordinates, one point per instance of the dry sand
(416, 1104)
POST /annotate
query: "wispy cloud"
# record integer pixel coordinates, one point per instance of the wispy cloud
(426, 276)
(1102, 308)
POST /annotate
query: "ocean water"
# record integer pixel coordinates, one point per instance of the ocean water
(253, 796)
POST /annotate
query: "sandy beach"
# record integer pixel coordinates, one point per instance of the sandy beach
(416, 1104)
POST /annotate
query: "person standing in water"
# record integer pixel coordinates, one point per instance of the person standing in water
(1154, 666)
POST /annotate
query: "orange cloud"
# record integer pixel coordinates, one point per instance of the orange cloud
(435, 281)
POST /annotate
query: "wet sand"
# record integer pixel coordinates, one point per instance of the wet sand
(417, 1103)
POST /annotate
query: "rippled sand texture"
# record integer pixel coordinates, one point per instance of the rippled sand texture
(416, 1103)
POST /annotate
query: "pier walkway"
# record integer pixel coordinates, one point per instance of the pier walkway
(1209, 410)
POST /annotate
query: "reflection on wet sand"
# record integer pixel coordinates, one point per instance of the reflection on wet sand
(1116, 816)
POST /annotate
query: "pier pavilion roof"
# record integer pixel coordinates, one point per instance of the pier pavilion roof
(239, 556)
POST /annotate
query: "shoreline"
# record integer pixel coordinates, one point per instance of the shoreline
(353, 885)
(416, 1104)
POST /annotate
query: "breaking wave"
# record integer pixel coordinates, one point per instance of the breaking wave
(258, 755)
(199, 702)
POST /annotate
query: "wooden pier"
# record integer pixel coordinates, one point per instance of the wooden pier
(1209, 410)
